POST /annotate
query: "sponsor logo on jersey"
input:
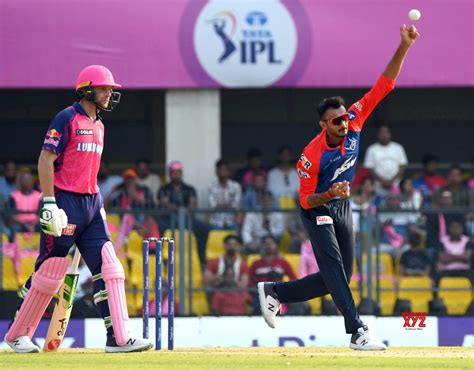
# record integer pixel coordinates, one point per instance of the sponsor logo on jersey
(303, 174)
(305, 162)
(50, 141)
(52, 137)
(90, 147)
(69, 230)
(344, 167)
(358, 105)
(352, 145)
(84, 132)
(324, 220)
(331, 161)
(352, 115)
(53, 134)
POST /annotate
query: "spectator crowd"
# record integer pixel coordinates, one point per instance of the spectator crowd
(426, 219)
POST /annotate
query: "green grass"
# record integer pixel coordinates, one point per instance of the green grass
(248, 358)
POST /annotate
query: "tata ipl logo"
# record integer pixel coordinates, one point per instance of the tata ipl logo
(257, 40)
(246, 43)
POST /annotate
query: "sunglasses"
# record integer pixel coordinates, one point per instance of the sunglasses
(337, 121)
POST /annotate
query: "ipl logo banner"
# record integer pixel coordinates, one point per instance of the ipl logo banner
(245, 43)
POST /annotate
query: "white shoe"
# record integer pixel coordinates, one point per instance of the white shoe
(269, 304)
(22, 344)
(364, 340)
(132, 345)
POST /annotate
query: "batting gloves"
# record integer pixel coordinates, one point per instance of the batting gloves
(52, 219)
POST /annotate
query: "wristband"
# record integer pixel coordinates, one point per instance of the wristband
(330, 195)
(49, 200)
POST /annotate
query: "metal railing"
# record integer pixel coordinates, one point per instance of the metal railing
(182, 221)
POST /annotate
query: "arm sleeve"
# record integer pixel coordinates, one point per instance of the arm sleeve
(277, 224)
(402, 157)
(238, 196)
(271, 181)
(360, 110)
(308, 175)
(58, 133)
(369, 158)
(212, 198)
(246, 228)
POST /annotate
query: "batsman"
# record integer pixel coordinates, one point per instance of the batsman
(73, 212)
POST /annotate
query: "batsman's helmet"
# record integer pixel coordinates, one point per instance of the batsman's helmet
(93, 76)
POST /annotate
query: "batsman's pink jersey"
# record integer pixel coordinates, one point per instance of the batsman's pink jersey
(78, 141)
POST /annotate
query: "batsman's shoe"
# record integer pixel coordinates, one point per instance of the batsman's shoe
(132, 345)
(22, 344)
(269, 303)
(364, 340)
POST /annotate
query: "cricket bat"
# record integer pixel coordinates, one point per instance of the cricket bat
(62, 310)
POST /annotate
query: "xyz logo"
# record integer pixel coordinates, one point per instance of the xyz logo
(412, 319)
(345, 166)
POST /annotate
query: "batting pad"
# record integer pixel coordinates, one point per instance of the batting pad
(44, 284)
(114, 277)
